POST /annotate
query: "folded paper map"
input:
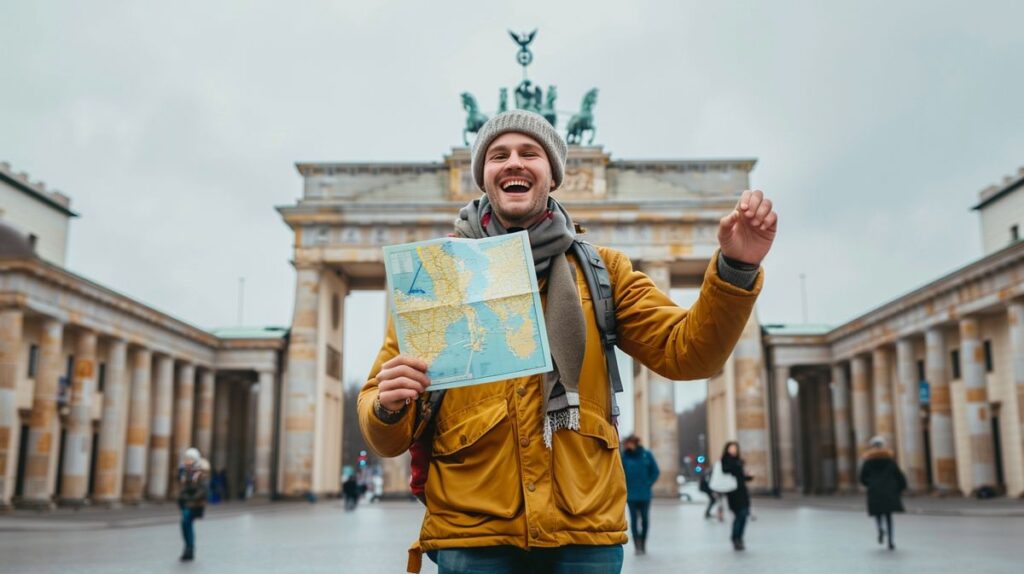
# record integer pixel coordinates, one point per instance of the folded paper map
(470, 308)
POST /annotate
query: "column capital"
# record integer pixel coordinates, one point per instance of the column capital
(14, 302)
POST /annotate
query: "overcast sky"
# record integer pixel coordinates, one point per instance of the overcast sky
(175, 126)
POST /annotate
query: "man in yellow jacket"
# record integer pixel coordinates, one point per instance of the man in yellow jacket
(525, 474)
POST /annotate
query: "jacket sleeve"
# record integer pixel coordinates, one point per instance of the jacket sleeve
(863, 474)
(383, 438)
(678, 343)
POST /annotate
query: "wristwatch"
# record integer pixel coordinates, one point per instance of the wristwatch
(387, 415)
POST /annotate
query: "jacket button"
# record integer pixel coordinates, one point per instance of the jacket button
(531, 487)
(524, 441)
(534, 533)
(521, 391)
(463, 439)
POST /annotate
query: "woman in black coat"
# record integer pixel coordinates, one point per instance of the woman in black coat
(884, 481)
(739, 499)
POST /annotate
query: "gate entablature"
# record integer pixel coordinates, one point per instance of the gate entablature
(665, 211)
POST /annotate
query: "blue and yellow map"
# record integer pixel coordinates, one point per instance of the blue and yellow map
(470, 308)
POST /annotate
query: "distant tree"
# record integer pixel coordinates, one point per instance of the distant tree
(693, 423)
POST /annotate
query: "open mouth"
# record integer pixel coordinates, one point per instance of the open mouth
(516, 185)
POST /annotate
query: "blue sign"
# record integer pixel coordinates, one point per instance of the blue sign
(924, 394)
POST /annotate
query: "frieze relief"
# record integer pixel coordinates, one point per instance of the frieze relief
(377, 235)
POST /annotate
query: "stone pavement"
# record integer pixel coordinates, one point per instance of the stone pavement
(924, 504)
(789, 536)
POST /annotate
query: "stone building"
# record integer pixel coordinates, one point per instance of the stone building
(99, 393)
(938, 372)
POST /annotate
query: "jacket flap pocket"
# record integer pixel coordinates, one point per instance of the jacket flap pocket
(593, 425)
(465, 426)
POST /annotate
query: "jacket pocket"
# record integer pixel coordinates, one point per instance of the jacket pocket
(475, 469)
(586, 469)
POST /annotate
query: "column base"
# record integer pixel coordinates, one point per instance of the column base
(40, 505)
(112, 504)
(75, 503)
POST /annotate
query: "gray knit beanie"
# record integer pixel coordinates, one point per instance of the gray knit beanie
(524, 122)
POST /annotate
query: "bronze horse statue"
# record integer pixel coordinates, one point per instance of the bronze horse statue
(583, 121)
(548, 109)
(474, 118)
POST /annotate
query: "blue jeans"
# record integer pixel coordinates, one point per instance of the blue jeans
(574, 559)
(187, 531)
(739, 523)
(639, 517)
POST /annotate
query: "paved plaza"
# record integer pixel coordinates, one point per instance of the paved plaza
(821, 535)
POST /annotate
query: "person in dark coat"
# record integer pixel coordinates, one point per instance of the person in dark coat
(641, 471)
(192, 497)
(739, 499)
(350, 488)
(884, 481)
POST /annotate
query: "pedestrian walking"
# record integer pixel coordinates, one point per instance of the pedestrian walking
(731, 464)
(194, 481)
(525, 474)
(350, 489)
(885, 483)
(641, 471)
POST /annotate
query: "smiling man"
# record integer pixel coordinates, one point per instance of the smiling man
(526, 474)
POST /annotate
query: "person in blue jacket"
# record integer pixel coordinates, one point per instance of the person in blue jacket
(641, 472)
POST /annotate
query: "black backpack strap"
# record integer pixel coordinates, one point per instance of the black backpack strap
(599, 283)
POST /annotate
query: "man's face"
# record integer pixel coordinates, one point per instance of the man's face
(517, 179)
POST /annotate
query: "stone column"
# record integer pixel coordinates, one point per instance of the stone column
(909, 448)
(979, 426)
(182, 439)
(826, 436)
(301, 385)
(1015, 318)
(137, 446)
(221, 425)
(78, 440)
(160, 428)
(860, 397)
(784, 430)
(204, 413)
(940, 421)
(641, 399)
(396, 473)
(264, 432)
(112, 426)
(752, 404)
(661, 409)
(11, 327)
(882, 391)
(841, 426)
(43, 424)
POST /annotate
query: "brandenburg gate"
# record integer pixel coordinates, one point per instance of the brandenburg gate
(662, 214)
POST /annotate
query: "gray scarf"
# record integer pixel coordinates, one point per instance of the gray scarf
(550, 239)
